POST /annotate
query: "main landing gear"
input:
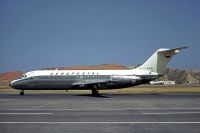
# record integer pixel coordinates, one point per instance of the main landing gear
(21, 92)
(95, 92)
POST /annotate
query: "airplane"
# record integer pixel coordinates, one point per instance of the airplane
(96, 80)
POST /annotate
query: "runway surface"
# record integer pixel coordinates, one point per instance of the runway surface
(143, 113)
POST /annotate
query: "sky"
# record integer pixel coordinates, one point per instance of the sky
(36, 34)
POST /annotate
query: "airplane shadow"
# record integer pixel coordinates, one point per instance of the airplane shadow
(90, 95)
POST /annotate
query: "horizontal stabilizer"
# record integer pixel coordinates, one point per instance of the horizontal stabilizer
(170, 52)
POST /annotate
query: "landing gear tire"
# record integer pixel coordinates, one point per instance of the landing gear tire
(95, 92)
(21, 93)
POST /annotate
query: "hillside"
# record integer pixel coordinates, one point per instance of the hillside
(177, 75)
(6, 77)
(96, 67)
(182, 76)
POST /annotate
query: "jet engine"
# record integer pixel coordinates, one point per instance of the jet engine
(125, 79)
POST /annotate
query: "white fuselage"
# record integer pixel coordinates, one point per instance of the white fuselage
(82, 79)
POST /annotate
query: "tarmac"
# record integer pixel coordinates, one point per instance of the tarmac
(109, 113)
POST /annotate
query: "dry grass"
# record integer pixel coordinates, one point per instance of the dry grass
(156, 89)
(132, 90)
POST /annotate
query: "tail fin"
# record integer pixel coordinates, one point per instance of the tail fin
(158, 61)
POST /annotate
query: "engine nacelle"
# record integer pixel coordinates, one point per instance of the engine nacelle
(125, 78)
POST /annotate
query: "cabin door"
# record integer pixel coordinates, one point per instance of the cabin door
(31, 74)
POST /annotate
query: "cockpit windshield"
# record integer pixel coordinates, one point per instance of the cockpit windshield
(24, 75)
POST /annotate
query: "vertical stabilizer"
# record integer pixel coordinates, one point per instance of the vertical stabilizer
(158, 61)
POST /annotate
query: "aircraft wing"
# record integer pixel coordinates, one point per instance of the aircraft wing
(90, 82)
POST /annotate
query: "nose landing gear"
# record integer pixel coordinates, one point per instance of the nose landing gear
(21, 92)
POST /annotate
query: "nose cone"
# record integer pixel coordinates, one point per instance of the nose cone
(14, 84)
(11, 84)
(17, 84)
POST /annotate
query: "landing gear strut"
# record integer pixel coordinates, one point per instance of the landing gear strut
(95, 92)
(21, 92)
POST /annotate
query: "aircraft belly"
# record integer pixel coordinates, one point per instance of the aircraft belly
(70, 84)
(45, 84)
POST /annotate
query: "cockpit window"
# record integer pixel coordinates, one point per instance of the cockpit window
(24, 76)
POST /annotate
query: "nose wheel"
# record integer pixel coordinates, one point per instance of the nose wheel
(21, 92)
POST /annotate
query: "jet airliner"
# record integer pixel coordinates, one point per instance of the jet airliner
(96, 80)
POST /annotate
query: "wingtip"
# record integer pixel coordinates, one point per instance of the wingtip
(180, 48)
(185, 47)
